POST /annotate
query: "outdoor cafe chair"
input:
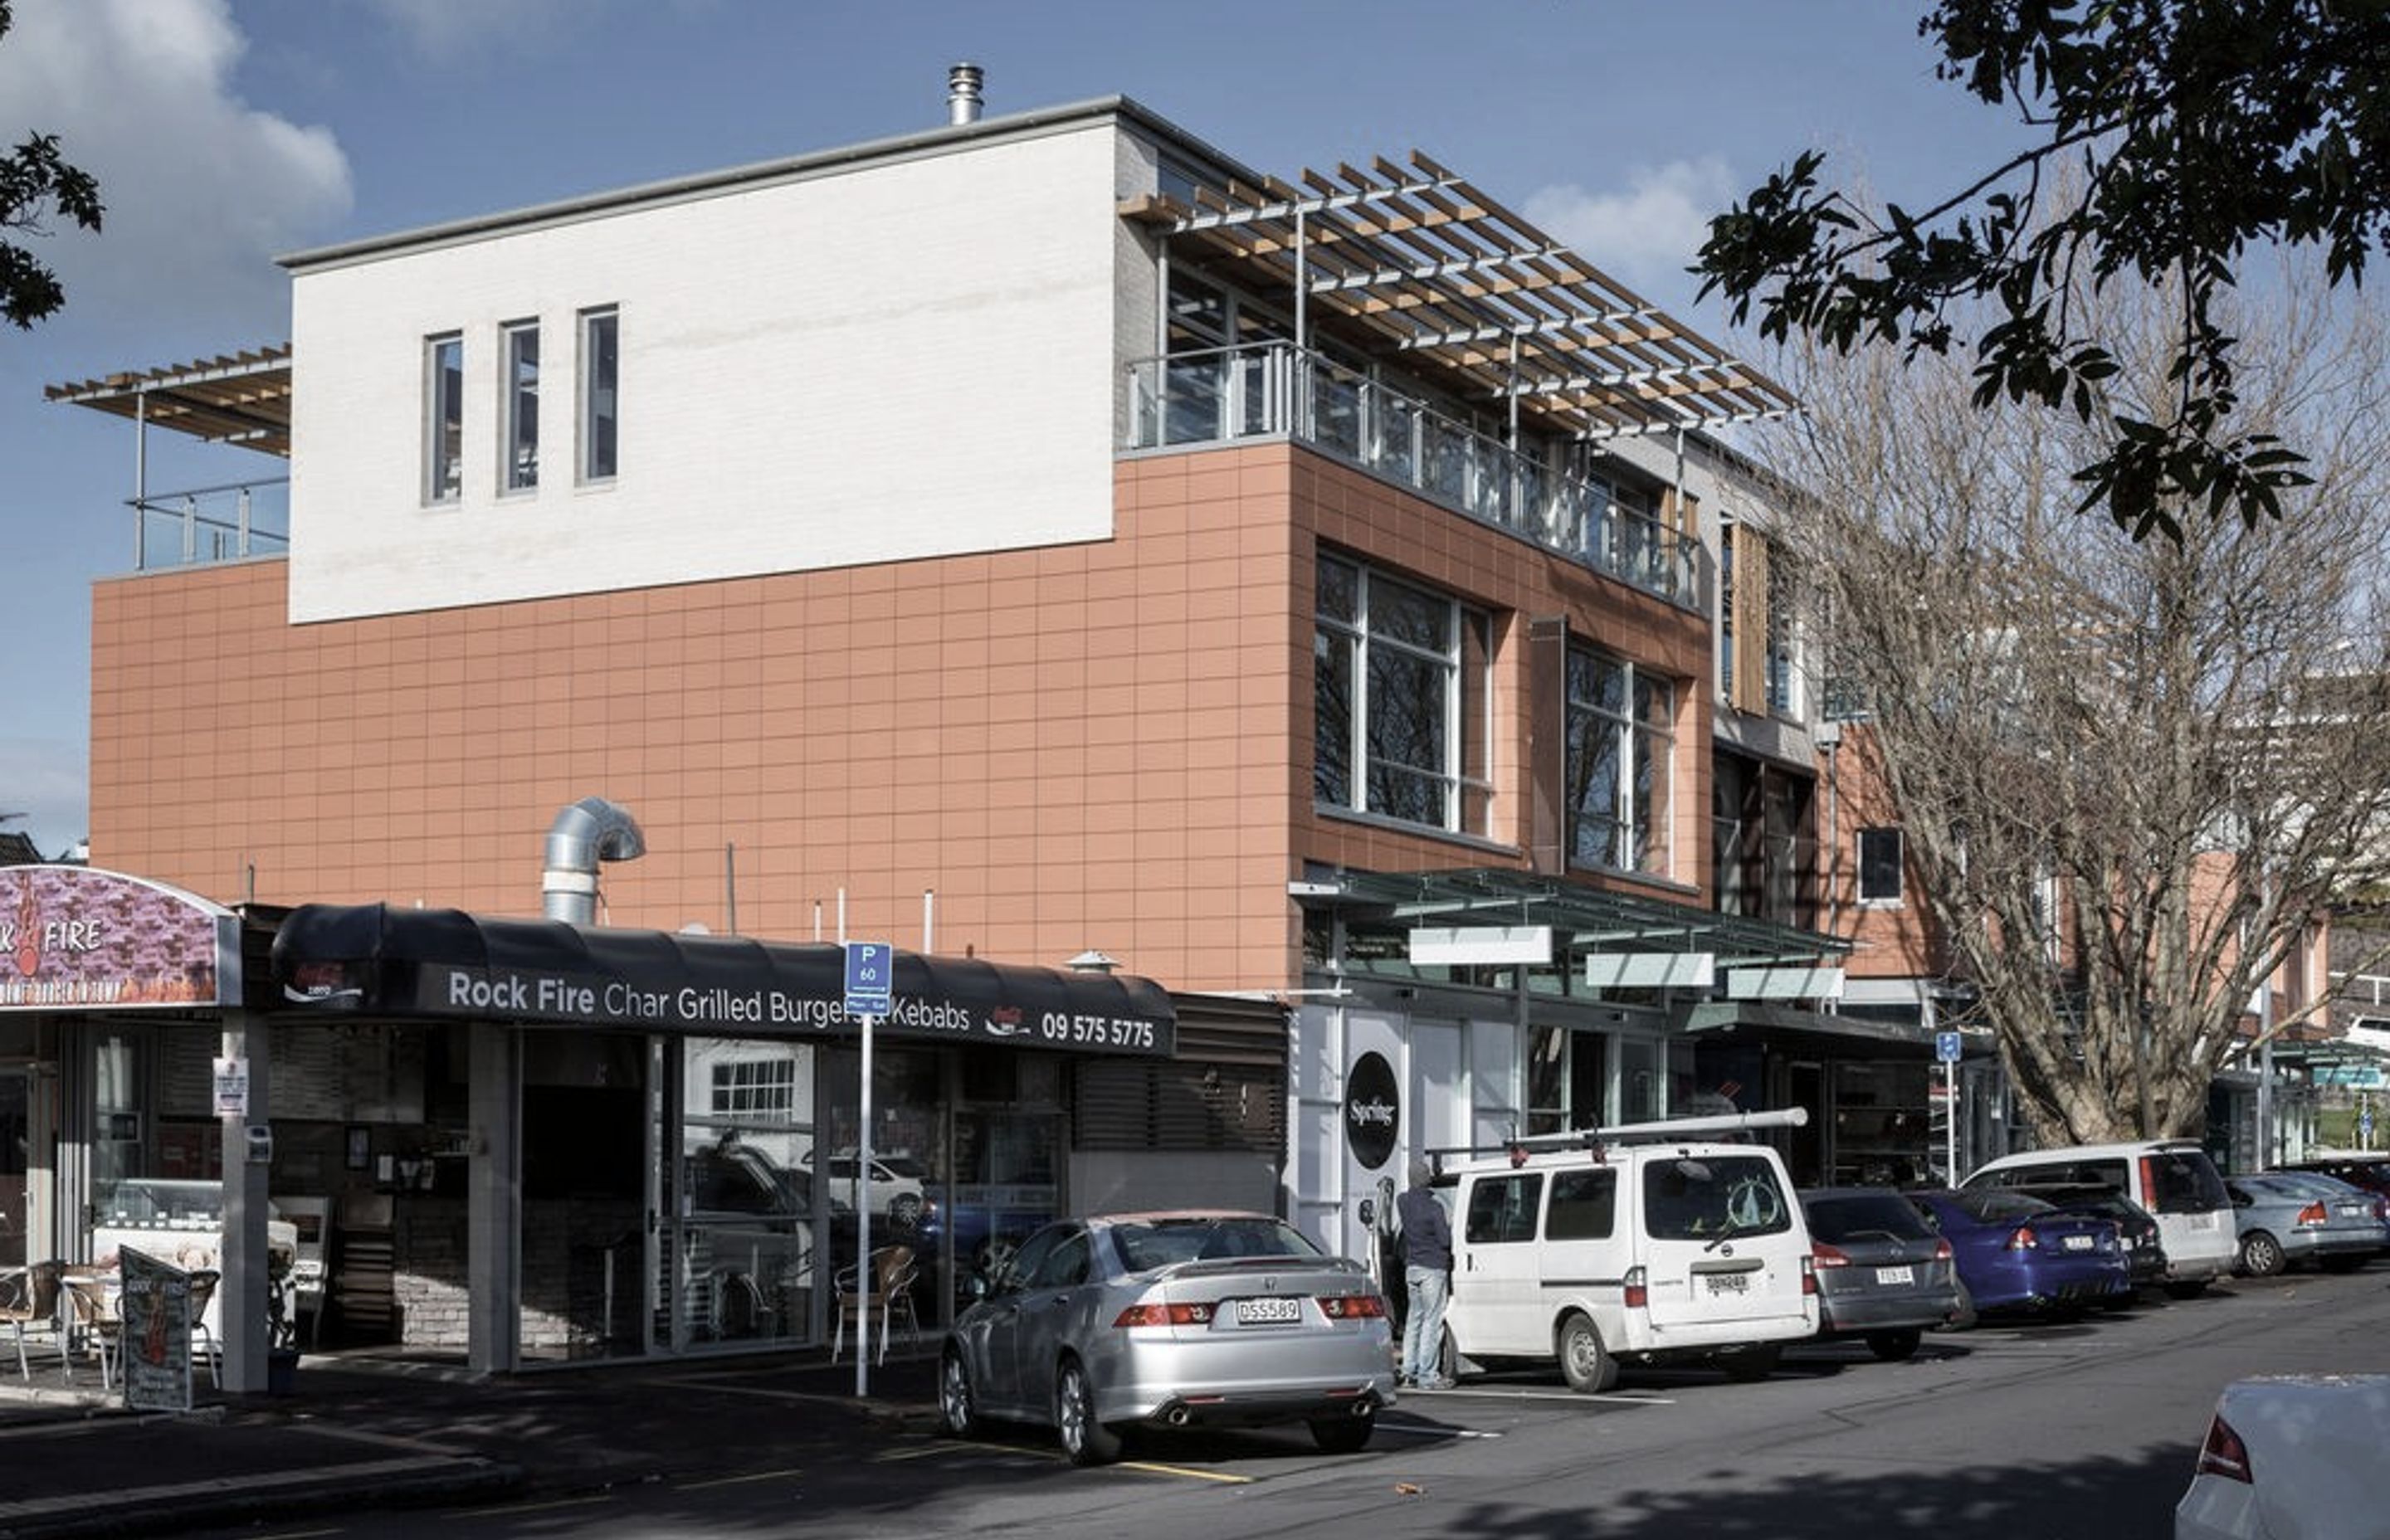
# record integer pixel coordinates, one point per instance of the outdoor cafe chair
(891, 1294)
(33, 1312)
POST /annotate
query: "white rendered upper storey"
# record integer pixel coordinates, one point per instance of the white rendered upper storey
(929, 346)
(900, 350)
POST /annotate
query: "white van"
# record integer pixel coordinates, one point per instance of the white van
(2172, 1178)
(1644, 1243)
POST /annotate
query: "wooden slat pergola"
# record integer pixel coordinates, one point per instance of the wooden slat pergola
(241, 398)
(1423, 264)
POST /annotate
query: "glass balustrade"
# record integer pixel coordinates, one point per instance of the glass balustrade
(206, 526)
(1274, 389)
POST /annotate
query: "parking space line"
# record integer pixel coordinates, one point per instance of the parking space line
(738, 1481)
(514, 1510)
(1491, 1392)
(1225, 1478)
(934, 1447)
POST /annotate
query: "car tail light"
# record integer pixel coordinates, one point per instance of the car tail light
(1942, 1252)
(1353, 1307)
(1164, 1314)
(2313, 1215)
(2224, 1454)
(1823, 1255)
(2023, 1240)
(1638, 1291)
(1808, 1275)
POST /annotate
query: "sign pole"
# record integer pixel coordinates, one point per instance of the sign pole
(870, 975)
(1950, 1119)
(1947, 1047)
(865, 1284)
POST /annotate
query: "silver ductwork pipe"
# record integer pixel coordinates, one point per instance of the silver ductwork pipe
(962, 94)
(591, 830)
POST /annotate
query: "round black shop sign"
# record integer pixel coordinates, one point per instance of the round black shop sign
(1373, 1110)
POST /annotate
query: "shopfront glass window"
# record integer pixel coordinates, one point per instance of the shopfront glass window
(1642, 1080)
(744, 1269)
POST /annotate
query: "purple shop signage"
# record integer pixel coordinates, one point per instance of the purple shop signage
(74, 938)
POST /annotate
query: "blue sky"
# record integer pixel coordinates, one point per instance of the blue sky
(225, 133)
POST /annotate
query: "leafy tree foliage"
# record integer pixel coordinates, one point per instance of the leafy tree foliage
(2169, 138)
(35, 179)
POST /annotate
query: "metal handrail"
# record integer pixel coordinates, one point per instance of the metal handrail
(204, 537)
(1275, 389)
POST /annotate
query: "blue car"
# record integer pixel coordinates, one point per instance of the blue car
(2016, 1253)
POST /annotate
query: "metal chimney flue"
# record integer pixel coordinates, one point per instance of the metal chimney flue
(591, 830)
(962, 94)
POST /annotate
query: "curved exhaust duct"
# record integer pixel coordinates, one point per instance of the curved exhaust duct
(591, 830)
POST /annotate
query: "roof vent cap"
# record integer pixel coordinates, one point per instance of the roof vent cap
(962, 94)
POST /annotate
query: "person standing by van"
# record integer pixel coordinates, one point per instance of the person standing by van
(1427, 1275)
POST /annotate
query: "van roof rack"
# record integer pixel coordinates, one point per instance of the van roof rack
(1660, 1130)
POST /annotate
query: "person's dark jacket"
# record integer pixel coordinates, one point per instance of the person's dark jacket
(1426, 1233)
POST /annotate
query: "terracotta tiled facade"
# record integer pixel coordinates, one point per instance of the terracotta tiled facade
(1104, 745)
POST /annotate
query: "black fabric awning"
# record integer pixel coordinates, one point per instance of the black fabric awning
(376, 961)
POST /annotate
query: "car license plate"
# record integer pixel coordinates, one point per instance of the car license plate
(1268, 1312)
(1728, 1283)
(1894, 1275)
(2079, 1243)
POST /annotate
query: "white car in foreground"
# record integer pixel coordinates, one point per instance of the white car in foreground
(2293, 1457)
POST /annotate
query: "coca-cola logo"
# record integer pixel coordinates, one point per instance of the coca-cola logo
(1373, 1110)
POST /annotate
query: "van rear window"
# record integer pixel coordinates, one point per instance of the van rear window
(2184, 1181)
(1689, 1197)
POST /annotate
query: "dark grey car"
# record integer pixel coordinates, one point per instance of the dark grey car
(1882, 1273)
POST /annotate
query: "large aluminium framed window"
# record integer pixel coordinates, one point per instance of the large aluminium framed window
(1401, 700)
(601, 367)
(444, 417)
(519, 471)
(1622, 752)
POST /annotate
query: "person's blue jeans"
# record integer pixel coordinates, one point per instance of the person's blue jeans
(1423, 1323)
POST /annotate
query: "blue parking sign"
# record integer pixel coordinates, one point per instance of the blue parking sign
(1946, 1047)
(870, 971)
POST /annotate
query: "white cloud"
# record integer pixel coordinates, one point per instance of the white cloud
(202, 191)
(1646, 234)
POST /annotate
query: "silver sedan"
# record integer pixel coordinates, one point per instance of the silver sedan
(2289, 1218)
(1192, 1317)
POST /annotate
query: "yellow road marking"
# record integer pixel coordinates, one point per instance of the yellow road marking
(934, 1449)
(1224, 1477)
(736, 1480)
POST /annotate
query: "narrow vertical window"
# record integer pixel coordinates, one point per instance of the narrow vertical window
(521, 469)
(600, 376)
(443, 418)
(1881, 858)
(1622, 757)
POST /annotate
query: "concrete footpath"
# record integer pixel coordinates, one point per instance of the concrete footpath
(364, 1430)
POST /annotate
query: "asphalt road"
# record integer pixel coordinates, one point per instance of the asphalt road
(2014, 1432)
